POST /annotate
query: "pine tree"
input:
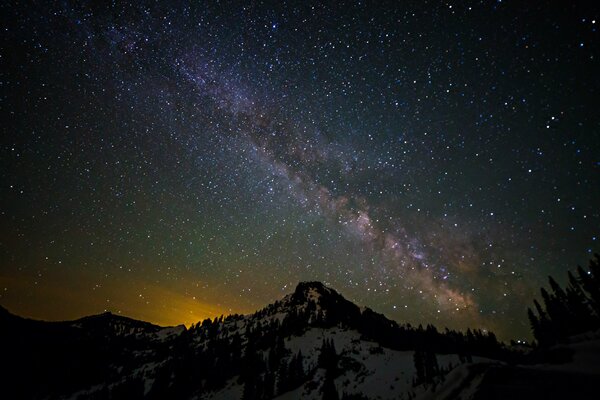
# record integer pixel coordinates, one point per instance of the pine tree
(419, 361)
(568, 311)
(534, 322)
(329, 390)
(297, 376)
(269, 386)
(328, 355)
(282, 377)
(431, 366)
(249, 392)
(590, 282)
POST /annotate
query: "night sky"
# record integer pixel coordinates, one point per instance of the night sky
(434, 161)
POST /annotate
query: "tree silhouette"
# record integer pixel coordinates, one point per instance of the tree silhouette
(329, 390)
(569, 311)
(419, 361)
(426, 366)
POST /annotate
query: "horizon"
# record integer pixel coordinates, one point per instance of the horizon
(189, 323)
(433, 162)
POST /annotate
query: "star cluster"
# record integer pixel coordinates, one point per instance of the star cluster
(432, 160)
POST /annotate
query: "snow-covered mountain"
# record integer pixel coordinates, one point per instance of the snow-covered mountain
(312, 344)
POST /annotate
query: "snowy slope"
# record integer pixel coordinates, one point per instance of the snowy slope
(368, 368)
(254, 355)
(575, 377)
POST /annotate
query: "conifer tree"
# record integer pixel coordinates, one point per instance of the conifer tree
(419, 362)
(329, 390)
(569, 311)
(431, 366)
(328, 355)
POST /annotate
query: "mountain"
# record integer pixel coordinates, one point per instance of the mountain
(312, 344)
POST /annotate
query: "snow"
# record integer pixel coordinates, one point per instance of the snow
(169, 331)
(462, 382)
(313, 295)
(232, 390)
(148, 382)
(305, 392)
(585, 357)
(584, 360)
(465, 380)
(365, 366)
(85, 392)
(380, 372)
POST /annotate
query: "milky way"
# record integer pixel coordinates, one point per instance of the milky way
(433, 161)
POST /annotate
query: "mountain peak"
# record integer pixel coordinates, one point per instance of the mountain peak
(312, 291)
(306, 286)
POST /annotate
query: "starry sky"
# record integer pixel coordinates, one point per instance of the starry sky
(173, 161)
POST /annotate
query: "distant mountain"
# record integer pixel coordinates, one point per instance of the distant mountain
(312, 344)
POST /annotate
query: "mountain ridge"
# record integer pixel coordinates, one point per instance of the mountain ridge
(305, 292)
(311, 342)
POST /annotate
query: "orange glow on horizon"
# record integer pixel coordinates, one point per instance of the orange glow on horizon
(70, 299)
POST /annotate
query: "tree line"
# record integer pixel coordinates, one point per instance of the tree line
(568, 311)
